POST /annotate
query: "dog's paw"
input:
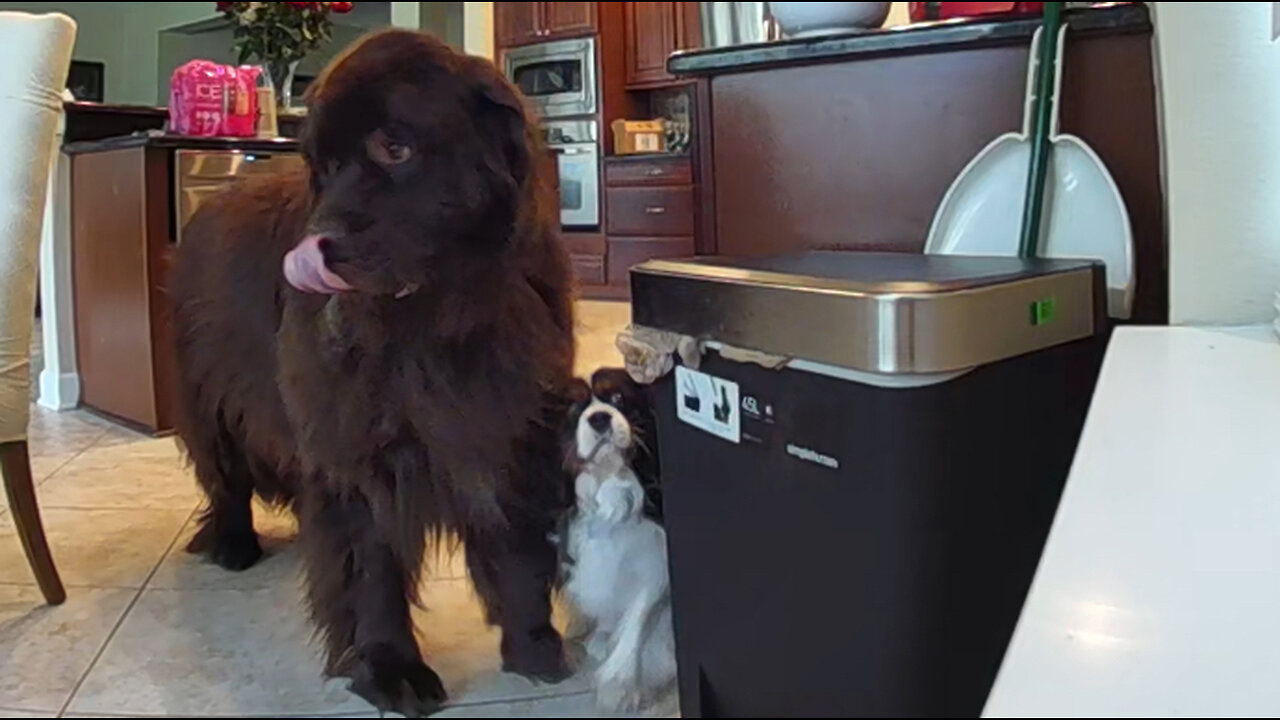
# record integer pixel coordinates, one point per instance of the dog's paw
(537, 656)
(597, 646)
(234, 552)
(615, 504)
(392, 682)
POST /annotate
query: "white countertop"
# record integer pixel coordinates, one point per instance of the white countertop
(1158, 594)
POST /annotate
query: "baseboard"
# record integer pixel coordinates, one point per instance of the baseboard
(59, 392)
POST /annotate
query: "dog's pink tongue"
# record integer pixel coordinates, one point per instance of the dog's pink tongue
(305, 270)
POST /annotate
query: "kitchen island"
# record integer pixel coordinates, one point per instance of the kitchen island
(129, 197)
(851, 141)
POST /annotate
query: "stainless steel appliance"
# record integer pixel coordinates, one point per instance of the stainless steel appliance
(200, 174)
(726, 24)
(578, 162)
(559, 77)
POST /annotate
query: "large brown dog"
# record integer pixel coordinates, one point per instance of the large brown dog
(385, 342)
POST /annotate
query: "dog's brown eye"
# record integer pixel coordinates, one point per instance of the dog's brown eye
(616, 400)
(386, 151)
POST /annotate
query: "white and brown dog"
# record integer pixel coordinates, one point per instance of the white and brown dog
(616, 554)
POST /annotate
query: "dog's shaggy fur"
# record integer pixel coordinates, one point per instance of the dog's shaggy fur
(416, 390)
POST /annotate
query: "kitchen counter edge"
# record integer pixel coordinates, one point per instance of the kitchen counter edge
(907, 39)
(182, 142)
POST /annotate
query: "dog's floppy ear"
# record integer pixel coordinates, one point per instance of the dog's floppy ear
(579, 396)
(504, 113)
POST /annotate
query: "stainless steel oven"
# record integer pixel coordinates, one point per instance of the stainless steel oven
(559, 77)
(578, 161)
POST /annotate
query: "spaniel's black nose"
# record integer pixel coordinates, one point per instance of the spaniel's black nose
(600, 421)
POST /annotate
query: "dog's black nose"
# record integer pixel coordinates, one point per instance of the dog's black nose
(600, 421)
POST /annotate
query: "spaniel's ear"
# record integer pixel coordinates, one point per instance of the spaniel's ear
(577, 397)
(579, 394)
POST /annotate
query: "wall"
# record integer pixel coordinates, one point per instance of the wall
(445, 20)
(177, 47)
(213, 41)
(101, 27)
(137, 41)
(1221, 103)
(478, 28)
(124, 36)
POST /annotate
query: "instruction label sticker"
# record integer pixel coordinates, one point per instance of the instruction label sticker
(709, 403)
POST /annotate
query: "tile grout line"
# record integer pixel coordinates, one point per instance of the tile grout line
(102, 649)
(76, 455)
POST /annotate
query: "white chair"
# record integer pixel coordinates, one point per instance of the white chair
(35, 54)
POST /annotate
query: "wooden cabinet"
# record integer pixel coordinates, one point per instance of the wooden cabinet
(521, 23)
(517, 23)
(126, 209)
(564, 19)
(648, 171)
(651, 214)
(627, 252)
(120, 252)
(650, 210)
(654, 30)
(587, 256)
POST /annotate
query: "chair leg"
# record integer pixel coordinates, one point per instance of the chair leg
(15, 463)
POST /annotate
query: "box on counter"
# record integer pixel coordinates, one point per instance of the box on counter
(633, 137)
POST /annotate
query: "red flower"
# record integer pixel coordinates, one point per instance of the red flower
(341, 8)
(224, 6)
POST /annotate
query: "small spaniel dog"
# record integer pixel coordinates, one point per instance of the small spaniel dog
(615, 553)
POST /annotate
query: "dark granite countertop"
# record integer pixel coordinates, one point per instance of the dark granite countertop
(182, 142)
(80, 106)
(907, 39)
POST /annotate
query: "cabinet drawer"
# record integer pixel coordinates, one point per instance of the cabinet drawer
(649, 171)
(650, 211)
(625, 253)
(588, 269)
(583, 243)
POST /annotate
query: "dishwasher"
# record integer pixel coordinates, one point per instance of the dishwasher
(201, 174)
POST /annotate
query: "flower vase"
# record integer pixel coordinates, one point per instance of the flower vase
(282, 73)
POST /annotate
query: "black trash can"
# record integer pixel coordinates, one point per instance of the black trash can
(853, 531)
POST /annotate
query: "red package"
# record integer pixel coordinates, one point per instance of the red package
(207, 99)
(241, 119)
(944, 10)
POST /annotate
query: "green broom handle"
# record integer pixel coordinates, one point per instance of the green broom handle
(1033, 203)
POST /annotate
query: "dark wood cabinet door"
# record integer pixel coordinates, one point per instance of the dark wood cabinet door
(564, 19)
(517, 23)
(627, 252)
(651, 37)
(688, 26)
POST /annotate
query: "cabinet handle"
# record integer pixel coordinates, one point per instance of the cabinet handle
(655, 210)
(653, 172)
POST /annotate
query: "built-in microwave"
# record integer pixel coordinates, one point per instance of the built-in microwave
(558, 77)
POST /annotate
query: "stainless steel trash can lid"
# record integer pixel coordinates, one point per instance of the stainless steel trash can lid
(875, 312)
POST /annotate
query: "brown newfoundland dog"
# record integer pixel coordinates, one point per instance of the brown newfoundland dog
(385, 343)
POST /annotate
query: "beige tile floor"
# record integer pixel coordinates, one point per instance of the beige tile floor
(148, 631)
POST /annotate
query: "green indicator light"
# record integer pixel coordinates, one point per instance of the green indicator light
(1042, 311)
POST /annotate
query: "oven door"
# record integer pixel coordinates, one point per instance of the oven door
(579, 167)
(559, 78)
